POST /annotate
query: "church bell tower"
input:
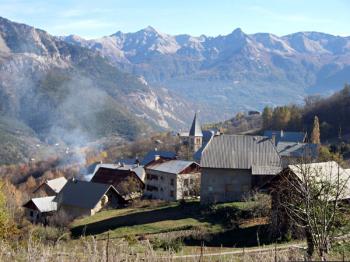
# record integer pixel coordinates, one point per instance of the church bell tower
(195, 135)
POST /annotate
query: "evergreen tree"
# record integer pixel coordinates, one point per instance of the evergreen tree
(315, 135)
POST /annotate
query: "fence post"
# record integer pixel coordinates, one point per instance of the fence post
(275, 252)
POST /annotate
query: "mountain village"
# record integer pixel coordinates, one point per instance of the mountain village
(122, 142)
(224, 168)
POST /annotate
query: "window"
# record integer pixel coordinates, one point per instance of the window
(148, 176)
(151, 188)
(31, 213)
(228, 188)
(198, 140)
(171, 193)
(155, 177)
(172, 181)
(191, 181)
(186, 193)
(186, 182)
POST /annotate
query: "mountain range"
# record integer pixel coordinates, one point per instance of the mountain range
(224, 74)
(70, 89)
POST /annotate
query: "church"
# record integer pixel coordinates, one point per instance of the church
(196, 138)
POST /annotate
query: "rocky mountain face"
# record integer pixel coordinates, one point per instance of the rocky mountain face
(234, 72)
(55, 91)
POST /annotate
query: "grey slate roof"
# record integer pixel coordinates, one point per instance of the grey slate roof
(172, 166)
(82, 194)
(241, 152)
(292, 149)
(207, 136)
(283, 136)
(196, 129)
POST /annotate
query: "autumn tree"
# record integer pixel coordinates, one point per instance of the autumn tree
(7, 226)
(315, 134)
(267, 117)
(130, 187)
(281, 117)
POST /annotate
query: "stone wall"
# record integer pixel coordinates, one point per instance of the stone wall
(224, 185)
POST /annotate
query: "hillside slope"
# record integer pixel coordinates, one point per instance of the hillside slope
(62, 92)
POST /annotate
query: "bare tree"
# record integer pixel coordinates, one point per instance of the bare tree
(311, 197)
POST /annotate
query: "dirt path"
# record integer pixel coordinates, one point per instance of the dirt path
(237, 252)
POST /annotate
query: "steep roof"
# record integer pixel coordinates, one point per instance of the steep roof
(324, 171)
(82, 194)
(283, 136)
(43, 204)
(54, 184)
(150, 156)
(57, 184)
(292, 149)
(207, 136)
(172, 166)
(241, 152)
(196, 129)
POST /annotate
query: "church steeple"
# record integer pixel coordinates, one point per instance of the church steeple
(195, 135)
(196, 129)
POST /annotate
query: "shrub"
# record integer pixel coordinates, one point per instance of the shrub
(49, 234)
(131, 239)
(168, 244)
(60, 219)
(258, 205)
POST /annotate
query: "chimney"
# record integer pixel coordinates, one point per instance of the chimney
(282, 133)
(273, 138)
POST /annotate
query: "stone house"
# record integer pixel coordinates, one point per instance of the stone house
(39, 210)
(81, 198)
(233, 165)
(172, 180)
(50, 187)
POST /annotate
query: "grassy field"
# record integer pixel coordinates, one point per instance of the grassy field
(143, 221)
(175, 218)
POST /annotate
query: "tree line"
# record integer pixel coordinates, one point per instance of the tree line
(330, 115)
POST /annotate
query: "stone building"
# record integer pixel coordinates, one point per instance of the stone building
(193, 138)
(233, 165)
(172, 180)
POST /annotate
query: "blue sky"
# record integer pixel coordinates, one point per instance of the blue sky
(92, 19)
